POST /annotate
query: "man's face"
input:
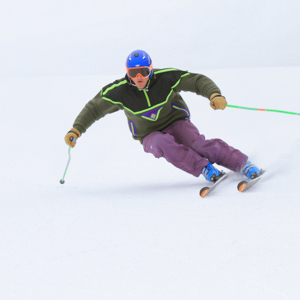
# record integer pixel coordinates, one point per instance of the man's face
(140, 81)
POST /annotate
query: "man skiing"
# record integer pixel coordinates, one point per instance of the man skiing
(160, 119)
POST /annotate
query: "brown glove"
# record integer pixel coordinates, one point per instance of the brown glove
(217, 101)
(71, 137)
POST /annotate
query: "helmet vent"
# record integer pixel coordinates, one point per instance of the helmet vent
(136, 54)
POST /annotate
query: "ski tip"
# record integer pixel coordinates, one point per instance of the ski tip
(204, 191)
(242, 186)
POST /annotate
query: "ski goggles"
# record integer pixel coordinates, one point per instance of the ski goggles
(143, 71)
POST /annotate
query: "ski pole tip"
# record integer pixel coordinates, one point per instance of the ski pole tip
(62, 181)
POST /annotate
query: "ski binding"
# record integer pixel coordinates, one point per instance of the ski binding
(208, 189)
(245, 185)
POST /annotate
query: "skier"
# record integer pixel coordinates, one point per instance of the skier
(160, 119)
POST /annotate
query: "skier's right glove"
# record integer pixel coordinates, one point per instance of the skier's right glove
(71, 137)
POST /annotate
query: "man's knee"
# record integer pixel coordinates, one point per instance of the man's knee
(156, 142)
(210, 149)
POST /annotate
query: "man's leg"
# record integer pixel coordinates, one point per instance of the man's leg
(215, 150)
(164, 145)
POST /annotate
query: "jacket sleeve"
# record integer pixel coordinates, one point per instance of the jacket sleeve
(199, 84)
(94, 110)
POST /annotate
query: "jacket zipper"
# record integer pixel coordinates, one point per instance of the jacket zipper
(147, 97)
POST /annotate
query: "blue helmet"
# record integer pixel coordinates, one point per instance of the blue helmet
(139, 58)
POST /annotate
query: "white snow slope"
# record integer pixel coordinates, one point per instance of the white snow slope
(127, 226)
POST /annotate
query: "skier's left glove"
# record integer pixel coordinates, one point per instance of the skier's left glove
(72, 136)
(217, 101)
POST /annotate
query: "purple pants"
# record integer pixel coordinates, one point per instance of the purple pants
(182, 145)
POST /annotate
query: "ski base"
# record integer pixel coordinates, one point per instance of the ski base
(208, 189)
(245, 185)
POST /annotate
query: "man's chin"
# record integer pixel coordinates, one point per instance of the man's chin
(141, 86)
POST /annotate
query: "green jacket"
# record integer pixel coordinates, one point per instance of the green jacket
(153, 108)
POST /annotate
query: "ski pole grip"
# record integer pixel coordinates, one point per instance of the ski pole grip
(213, 103)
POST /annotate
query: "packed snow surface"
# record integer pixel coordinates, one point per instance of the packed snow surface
(125, 225)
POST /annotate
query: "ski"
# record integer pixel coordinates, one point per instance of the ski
(245, 185)
(208, 189)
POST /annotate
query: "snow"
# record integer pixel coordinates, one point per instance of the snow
(126, 225)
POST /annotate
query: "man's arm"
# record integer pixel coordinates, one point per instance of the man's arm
(199, 84)
(94, 110)
(204, 86)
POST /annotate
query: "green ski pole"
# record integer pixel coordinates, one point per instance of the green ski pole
(62, 181)
(265, 109)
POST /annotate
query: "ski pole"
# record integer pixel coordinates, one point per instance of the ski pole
(265, 109)
(62, 181)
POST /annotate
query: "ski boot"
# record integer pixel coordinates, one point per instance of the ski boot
(251, 171)
(211, 174)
